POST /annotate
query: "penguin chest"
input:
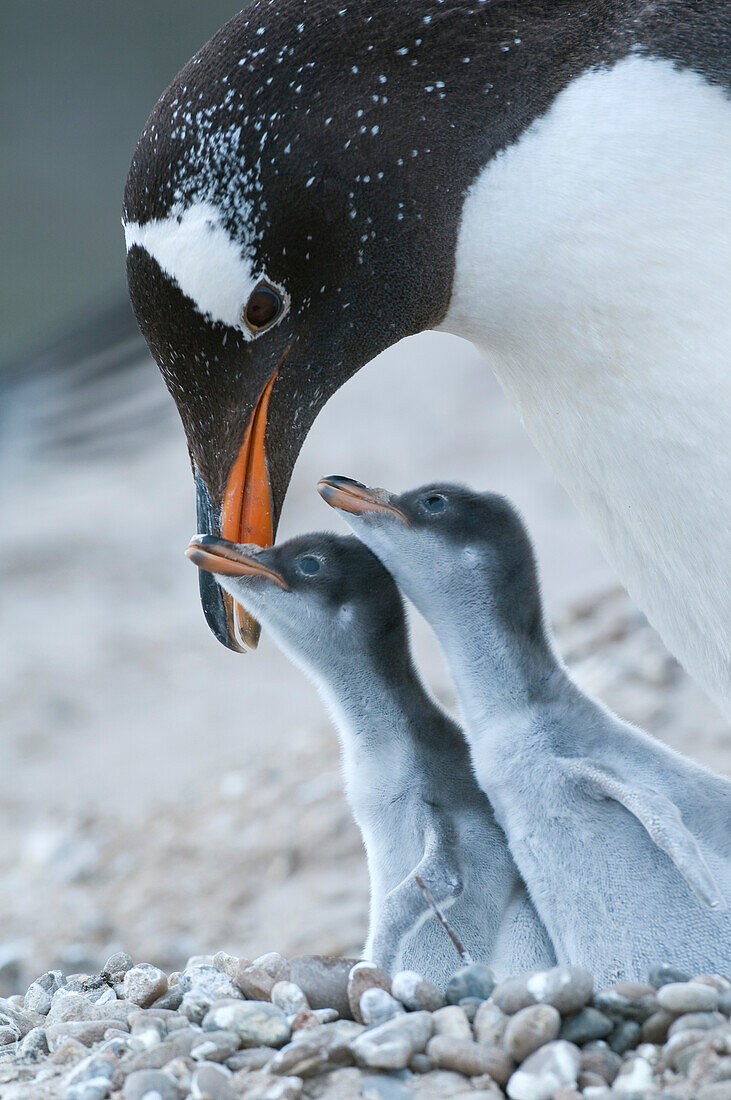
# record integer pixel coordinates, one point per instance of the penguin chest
(593, 268)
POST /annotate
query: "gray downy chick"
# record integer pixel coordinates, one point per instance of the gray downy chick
(335, 611)
(625, 845)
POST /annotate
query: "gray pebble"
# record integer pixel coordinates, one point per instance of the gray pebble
(116, 967)
(254, 982)
(585, 1026)
(601, 1061)
(724, 1002)
(324, 980)
(144, 983)
(195, 1004)
(377, 1006)
(421, 1063)
(696, 1021)
(209, 979)
(567, 988)
(635, 1076)
(229, 964)
(363, 976)
(316, 1050)
(259, 1023)
(171, 1000)
(469, 1058)
(254, 1058)
(215, 1046)
(625, 1036)
(391, 1045)
(415, 991)
(289, 997)
(40, 992)
(150, 1084)
(34, 1045)
(682, 997)
(210, 1082)
(384, 1088)
(627, 1001)
(531, 1028)
(663, 974)
(275, 965)
(474, 980)
(545, 1071)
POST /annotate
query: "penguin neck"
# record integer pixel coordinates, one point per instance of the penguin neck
(500, 672)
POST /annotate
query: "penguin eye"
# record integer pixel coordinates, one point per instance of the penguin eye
(309, 565)
(263, 307)
(434, 503)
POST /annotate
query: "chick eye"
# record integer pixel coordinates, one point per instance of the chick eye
(263, 307)
(309, 565)
(434, 503)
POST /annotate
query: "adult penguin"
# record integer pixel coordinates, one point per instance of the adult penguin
(324, 178)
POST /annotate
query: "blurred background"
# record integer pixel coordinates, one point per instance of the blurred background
(157, 792)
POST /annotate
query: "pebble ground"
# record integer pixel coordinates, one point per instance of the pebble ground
(323, 1026)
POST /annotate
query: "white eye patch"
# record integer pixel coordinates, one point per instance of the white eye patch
(194, 249)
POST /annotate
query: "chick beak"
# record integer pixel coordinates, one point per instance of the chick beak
(351, 496)
(228, 559)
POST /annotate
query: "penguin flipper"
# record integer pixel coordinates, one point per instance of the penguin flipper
(663, 823)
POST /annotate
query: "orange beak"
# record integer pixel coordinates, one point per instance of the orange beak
(247, 514)
(354, 497)
(216, 555)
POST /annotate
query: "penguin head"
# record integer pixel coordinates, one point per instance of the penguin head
(291, 210)
(453, 551)
(326, 599)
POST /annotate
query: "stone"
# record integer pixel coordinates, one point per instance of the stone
(655, 1027)
(171, 1000)
(116, 967)
(627, 1001)
(289, 997)
(663, 974)
(475, 980)
(529, 1029)
(490, 1023)
(469, 1058)
(724, 1002)
(696, 1021)
(625, 1036)
(34, 1045)
(86, 1032)
(20, 1019)
(546, 1070)
(567, 988)
(377, 1006)
(39, 994)
(391, 1045)
(150, 1084)
(211, 1082)
(719, 1090)
(251, 1059)
(283, 1088)
(601, 1061)
(634, 1076)
(317, 1050)
(324, 981)
(452, 1020)
(75, 1006)
(254, 982)
(144, 983)
(384, 1088)
(227, 964)
(421, 1063)
(585, 1026)
(415, 991)
(683, 997)
(275, 965)
(215, 1046)
(206, 978)
(258, 1023)
(196, 1003)
(362, 976)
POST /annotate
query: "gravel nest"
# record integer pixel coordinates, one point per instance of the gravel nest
(327, 1026)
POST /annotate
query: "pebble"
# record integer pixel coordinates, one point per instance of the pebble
(215, 1046)
(586, 1026)
(210, 1082)
(452, 1020)
(363, 976)
(662, 975)
(324, 980)
(391, 1045)
(258, 1023)
(546, 1070)
(376, 1006)
(490, 1023)
(254, 982)
(602, 1061)
(384, 1088)
(683, 997)
(634, 1076)
(116, 967)
(567, 988)
(289, 997)
(150, 1084)
(655, 1027)
(317, 1049)
(275, 965)
(625, 1036)
(415, 991)
(144, 983)
(474, 980)
(206, 978)
(469, 1058)
(531, 1028)
(40, 992)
